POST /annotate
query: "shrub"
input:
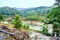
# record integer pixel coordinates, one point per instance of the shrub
(25, 26)
(17, 22)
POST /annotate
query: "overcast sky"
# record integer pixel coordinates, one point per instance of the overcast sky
(26, 3)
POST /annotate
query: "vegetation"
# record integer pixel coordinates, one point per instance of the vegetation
(37, 14)
(33, 17)
(17, 22)
(54, 17)
(7, 11)
(42, 11)
(57, 2)
(26, 26)
(46, 15)
(1, 17)
(45, 31)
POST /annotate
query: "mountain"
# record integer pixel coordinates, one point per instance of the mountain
(43, 10)
(19, 8)
(7, 11)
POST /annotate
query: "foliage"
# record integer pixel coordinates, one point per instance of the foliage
(33, 17)
(42, 11)
(54, 17)
(7, 11)
(1, 17)
(57, 2)
(17, 22)
(45, 31)
(25, 26)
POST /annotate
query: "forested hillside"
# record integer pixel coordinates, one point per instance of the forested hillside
(38, 10)
(7, 11)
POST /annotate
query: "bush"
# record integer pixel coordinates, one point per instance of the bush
(45, 30)
(17, 22)
(1, 17)
(25, 26)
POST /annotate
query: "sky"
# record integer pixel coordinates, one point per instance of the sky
(26, 3)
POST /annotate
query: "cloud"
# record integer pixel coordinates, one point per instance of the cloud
(26, 3)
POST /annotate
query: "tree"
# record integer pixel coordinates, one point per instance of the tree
(54, 17)
(45, 30)
(32, 17)
(17, 22)
(1, 17)
(57, 2)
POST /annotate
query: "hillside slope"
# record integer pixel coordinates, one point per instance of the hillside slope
(7, 11)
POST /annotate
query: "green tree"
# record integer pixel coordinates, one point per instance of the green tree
(1, 17)
(45, 30)
(57, 2)
(54, 17)
(17, 22)
(32, 17)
